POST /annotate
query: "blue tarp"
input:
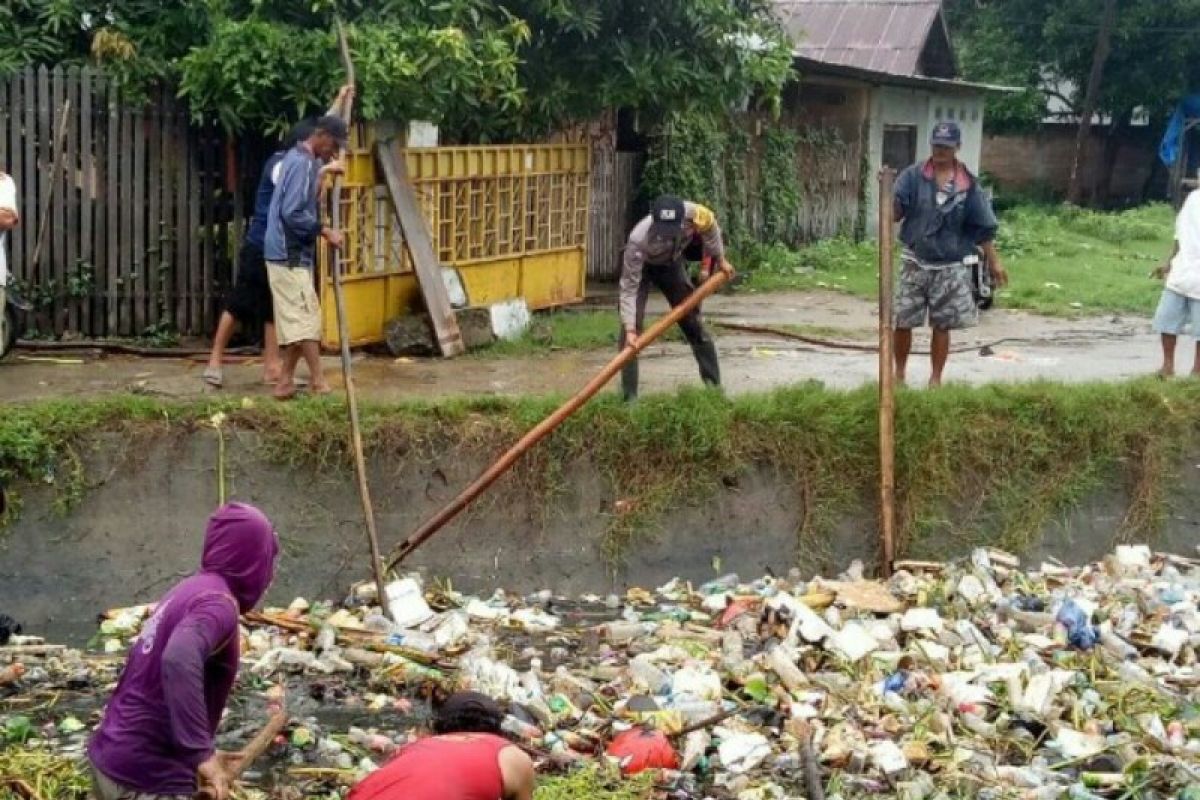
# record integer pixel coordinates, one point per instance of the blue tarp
(1172, 141)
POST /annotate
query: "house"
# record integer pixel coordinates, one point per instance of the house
(881, 73)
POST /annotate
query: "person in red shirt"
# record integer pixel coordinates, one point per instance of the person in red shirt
(467, 758)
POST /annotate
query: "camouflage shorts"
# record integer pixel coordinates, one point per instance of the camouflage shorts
(943, 295)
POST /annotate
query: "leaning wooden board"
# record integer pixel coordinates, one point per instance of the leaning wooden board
(420, 244)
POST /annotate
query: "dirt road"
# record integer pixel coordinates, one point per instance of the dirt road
(1022, 347)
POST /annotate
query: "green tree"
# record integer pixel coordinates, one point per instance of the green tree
(1111, 60)
(481, 69)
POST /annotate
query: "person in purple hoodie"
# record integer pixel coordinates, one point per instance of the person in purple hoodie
(156, 738)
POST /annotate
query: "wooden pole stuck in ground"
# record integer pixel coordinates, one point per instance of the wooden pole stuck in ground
(546, 426)
(339, 294)
(887, 375)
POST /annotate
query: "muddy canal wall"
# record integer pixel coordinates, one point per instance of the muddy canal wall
(136, 524)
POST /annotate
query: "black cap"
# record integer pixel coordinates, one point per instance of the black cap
(335, 127)
(946, 134)
(666, 216)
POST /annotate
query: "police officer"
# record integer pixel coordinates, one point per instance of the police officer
(654, 256)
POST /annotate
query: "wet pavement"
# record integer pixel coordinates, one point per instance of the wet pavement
(1019, 347)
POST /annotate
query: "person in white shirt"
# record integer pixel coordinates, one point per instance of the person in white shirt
(8, 220)
(1179, 307)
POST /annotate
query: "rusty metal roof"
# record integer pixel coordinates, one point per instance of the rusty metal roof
(887, 36)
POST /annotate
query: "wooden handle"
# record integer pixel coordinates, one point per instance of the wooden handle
(257, 746)
(546, 426)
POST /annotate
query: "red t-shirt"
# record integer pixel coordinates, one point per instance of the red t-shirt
(440, 768)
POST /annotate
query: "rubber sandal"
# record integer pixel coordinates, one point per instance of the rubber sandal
(213, 377)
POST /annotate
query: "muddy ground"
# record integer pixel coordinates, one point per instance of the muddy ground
(1022, 347)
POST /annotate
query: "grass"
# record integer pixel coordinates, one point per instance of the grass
(995, 464)
(1061, 261)
(594, 781)
(565, 330)
(47, 774)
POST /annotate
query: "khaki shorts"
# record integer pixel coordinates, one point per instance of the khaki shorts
(297, 310)
(104, 788)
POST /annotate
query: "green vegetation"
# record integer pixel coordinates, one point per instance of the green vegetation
(1061, 260)
(595, 782)
(49, 775)
(482, 70)
(990, 465)
(755, 173)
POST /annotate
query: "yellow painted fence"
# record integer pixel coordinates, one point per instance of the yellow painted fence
(511, 220)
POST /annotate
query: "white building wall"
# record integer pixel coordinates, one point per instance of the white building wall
(922, 108)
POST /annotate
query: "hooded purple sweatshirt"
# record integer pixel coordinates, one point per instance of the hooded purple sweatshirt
(158, 726)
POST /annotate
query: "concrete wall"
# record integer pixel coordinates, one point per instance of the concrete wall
(1042, 161)
(139, 528)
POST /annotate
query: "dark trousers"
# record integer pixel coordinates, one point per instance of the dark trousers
(673, 282)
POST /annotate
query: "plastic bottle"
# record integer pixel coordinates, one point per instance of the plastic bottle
(622, 631)
(696, 711)
(522, 730)
(378, 623)
(648, 676)
(414, 640)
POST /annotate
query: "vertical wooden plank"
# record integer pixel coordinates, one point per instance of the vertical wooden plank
(87, 185)
(195, 254)
(30, 180)
(182, 269)
(209, 183)
(193, 229)
(112, 210)
(166, 236)
(126, 213)
(76, 273)
(153, 251)
(16, 168)
(55, 247)
(137, 261)
(43, 274)
(5, 125)
(100, 221)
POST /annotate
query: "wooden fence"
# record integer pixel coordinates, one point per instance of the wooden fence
(830, 182)
(137, 212)
(615, 179)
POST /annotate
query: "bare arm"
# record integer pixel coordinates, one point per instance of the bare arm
(519, 775)
(1165, 269)
(8, 219)
(999, 274)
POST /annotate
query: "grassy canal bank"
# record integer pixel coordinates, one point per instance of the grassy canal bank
(996, 464)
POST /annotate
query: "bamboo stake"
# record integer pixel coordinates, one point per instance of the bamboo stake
(546, 426)
(887, 376)
(339, 294)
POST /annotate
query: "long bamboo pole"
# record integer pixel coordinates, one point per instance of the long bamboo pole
(546, 426)
(887, 376)
(339, 294)
(251, 752)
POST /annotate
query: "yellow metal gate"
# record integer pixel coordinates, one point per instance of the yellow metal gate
(511, 220)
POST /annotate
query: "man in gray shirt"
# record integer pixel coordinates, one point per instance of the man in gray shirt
(654, 256)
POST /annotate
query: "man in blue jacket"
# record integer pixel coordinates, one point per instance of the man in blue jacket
(946, 217)
(290, 248)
